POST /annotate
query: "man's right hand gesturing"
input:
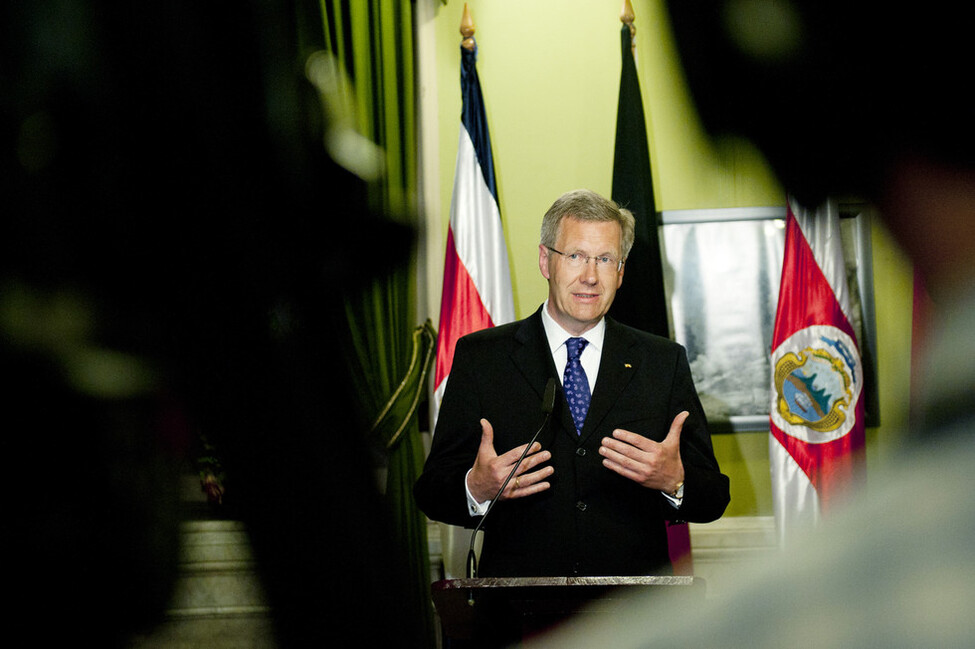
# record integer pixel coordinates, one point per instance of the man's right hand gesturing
(491, 470)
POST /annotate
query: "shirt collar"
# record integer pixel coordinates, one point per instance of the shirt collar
(557, 335)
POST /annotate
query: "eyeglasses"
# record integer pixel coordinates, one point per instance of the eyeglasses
(578, 260)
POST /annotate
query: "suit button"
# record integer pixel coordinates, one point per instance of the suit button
(581, 452)
(581, 506)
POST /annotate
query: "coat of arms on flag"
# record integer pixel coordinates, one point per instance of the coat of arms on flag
(817, 380)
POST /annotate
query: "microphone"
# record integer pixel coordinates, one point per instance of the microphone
(548, 405)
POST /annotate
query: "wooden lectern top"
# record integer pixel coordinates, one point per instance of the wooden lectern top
(500, 611)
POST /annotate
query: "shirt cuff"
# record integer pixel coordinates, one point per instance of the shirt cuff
(474, 508)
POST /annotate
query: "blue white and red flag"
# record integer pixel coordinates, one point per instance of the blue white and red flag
(477, 281)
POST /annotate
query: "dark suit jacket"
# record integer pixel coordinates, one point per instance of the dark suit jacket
(591, 521)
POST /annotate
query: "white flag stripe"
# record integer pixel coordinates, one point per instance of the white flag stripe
(796, 502)
(437, 398)
(478, 235)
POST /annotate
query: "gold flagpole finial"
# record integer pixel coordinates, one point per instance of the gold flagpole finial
(627, 17)
(467, 29)
(626, 13)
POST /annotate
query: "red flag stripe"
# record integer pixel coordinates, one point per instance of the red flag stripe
(818, 304)
(467, 312)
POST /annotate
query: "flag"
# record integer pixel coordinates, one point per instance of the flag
(817, 413)
(641, 301)
(477, 281)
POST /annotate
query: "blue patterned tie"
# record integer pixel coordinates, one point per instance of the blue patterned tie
(575, 383)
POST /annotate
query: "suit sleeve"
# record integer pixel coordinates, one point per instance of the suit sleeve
(706, 489)
(439, 491)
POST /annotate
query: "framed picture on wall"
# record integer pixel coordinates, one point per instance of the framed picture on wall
(722, 269)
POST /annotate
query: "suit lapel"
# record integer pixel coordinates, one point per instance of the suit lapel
(533, 357)
(617, 367)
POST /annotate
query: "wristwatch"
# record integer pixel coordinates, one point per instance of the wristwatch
(678, 492)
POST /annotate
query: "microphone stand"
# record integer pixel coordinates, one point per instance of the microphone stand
(548, 405)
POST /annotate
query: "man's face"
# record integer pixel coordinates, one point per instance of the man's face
(579, 297)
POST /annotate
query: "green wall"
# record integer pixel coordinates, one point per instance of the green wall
(549, 71)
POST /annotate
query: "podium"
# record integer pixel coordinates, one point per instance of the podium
(503, 611)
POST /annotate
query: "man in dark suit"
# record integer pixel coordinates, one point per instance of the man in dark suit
(593, 496)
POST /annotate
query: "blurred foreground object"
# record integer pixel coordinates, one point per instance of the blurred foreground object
(175, 236)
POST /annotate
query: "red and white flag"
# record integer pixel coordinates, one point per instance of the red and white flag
(477, 280)
(817, 417)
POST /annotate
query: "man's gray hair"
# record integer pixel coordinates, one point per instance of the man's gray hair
(587, 205)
